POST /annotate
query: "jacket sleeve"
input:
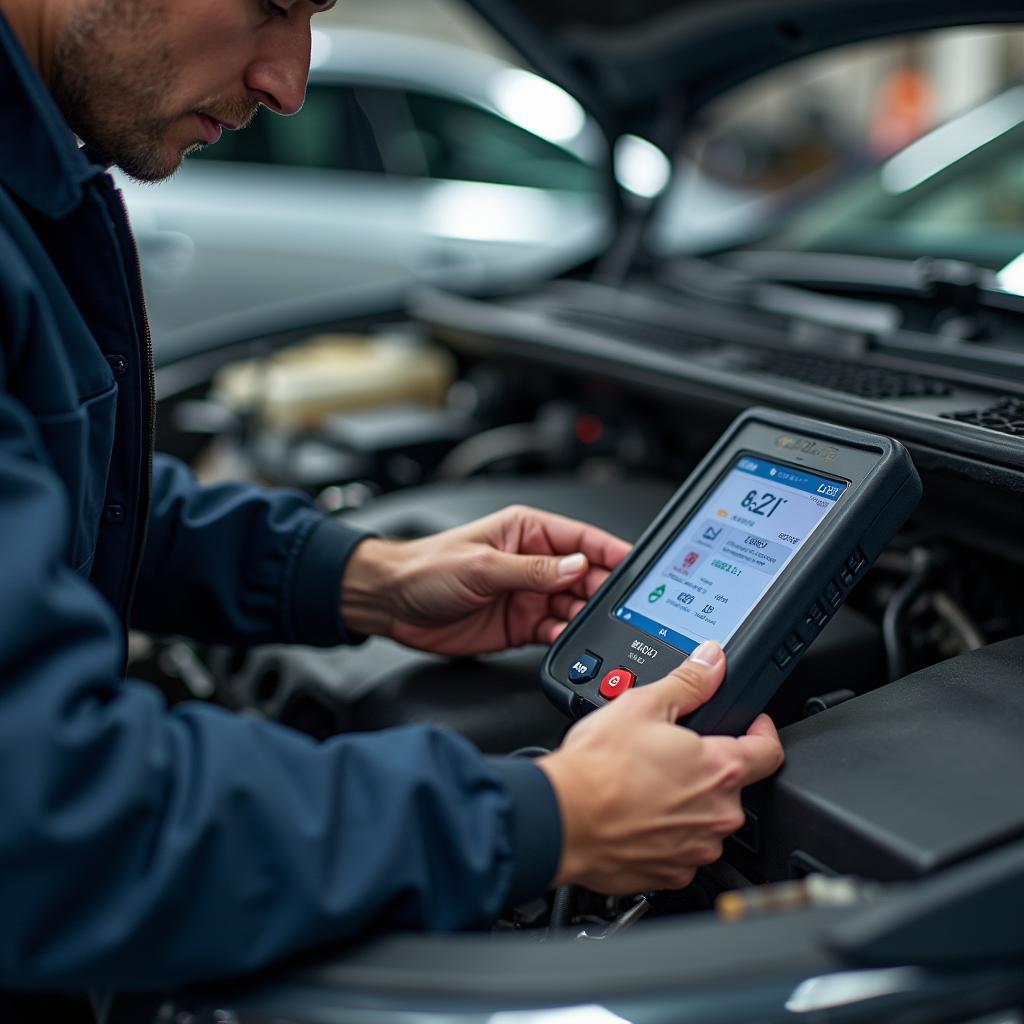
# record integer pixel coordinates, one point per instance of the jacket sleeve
(145, 848)
(233, 563)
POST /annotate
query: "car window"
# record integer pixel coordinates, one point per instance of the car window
(461, 142)
(905, 146)
(402, 132)
(971, 210)
(330, 133)
(989, 194)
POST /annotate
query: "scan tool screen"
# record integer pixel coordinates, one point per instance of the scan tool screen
(725, 558)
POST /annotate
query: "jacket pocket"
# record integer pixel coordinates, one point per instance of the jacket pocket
(79, 444)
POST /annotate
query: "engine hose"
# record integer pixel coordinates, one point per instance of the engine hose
(958, 620)
(565, 903)
(478, 453)
(923, 564)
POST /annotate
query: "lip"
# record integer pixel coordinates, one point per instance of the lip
(212, 130)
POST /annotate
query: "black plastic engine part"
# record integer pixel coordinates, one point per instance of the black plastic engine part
(901, 782)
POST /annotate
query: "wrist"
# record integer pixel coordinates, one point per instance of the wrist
(572, 865)
(368, 587)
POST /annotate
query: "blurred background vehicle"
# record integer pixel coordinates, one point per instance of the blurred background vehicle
(412, 159)
(957, 192)
(908, 146)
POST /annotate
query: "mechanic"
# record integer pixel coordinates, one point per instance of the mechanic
(141, 847)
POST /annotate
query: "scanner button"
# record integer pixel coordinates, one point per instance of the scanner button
(617, 682)
(833, 595)
(816, 616)
(584, 668)
(856, 561)
(794, 644)
(783, 657)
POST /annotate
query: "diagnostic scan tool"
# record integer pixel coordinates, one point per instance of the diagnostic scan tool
(757, 551)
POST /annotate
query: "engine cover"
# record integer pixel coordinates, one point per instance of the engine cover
(900, 782)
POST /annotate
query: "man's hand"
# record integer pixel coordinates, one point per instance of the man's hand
(644, 801)
(514, 578)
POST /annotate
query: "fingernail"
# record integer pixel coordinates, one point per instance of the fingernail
(708, 654)
(571, 565)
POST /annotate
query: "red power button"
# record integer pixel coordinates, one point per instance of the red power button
(617, 682)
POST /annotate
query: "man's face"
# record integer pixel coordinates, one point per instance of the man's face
(144, 82)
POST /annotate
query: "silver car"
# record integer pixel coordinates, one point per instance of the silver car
(410, 159)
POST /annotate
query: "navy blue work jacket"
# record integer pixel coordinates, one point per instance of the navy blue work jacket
(141, 847)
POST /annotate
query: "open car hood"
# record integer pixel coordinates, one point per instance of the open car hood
(645, 65)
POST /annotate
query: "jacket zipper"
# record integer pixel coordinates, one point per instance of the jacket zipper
(149, 389)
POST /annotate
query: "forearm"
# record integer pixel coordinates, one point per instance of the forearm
(236, 564)
(216, 844)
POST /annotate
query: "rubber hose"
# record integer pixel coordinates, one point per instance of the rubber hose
(565, 902)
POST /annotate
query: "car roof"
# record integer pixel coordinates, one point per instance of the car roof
(388, 58)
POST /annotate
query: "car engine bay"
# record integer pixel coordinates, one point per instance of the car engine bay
(595, 400)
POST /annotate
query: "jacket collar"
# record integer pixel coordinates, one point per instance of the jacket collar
(40, 162)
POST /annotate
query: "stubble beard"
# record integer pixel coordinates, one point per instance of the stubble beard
(111, 78)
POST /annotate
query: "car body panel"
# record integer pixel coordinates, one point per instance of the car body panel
(216, 242)
(226, 235)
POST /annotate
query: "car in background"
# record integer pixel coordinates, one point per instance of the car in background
(410, 159)
(955, 193)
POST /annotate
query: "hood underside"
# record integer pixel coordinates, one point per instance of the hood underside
(635, 64)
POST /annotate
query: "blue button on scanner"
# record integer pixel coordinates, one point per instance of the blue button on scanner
(584, 668)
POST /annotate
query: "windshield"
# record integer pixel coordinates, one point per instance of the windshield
(905, 147)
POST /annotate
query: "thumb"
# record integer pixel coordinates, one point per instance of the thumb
(691, 685)
(543, 574)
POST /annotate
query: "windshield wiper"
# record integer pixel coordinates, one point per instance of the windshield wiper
(962, 302)
(950, 284)
(738, 287)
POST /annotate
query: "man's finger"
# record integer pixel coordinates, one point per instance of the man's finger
(541, 574)
(560, 534)
(764, 726)
(759, 752)
(690, 685)
(588, 585)
(566, 606)
(549, 630)
(763, 747)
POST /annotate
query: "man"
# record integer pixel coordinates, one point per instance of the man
(144, 848)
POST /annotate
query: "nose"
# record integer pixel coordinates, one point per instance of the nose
(277, 75)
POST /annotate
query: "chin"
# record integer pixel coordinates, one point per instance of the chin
(151, 168)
